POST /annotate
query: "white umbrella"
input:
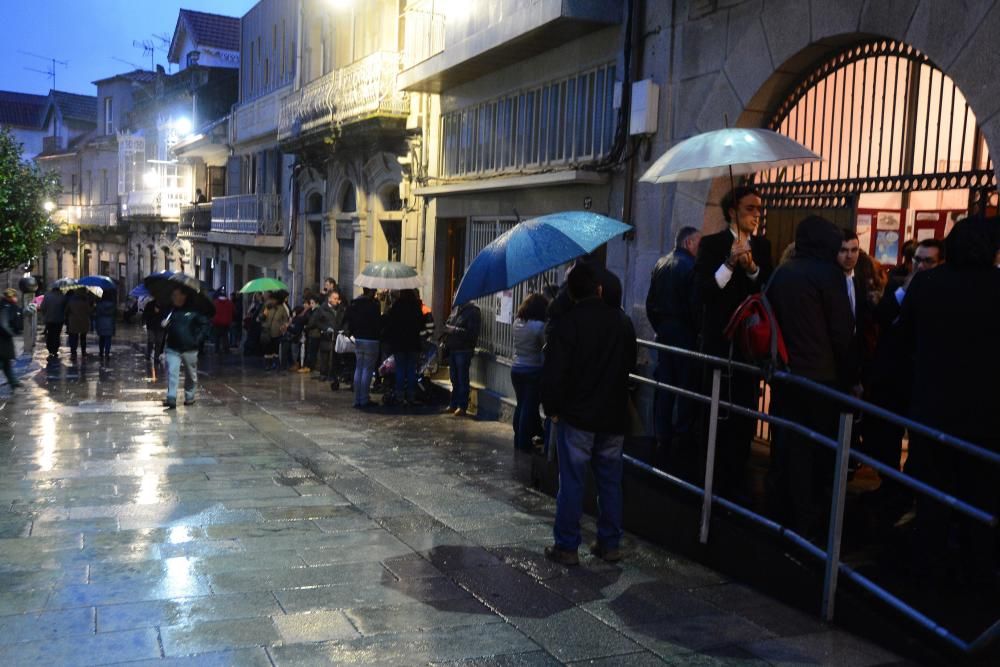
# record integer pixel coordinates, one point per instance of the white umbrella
(733, 151)
(388, 275)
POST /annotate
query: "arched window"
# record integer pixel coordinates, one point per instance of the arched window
(349, 199)
(314, 204)
(389, 196)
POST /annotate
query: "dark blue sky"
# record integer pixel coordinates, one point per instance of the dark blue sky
(87, 34)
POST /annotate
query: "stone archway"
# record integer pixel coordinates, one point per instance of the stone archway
(773, 43)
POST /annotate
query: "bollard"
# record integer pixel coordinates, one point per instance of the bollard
(29, 322)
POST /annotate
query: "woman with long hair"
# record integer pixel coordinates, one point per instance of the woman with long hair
(526, 372)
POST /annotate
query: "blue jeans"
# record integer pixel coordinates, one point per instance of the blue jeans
(527, 388)
(603, 453)
(406, 374)
(459, 363)
(366, 353)
(189, 360)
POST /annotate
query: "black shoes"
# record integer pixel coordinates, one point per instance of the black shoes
(189, 403)
(170, 405)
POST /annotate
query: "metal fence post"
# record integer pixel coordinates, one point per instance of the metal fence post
(837, 515)
(713, 428)
(29, 324)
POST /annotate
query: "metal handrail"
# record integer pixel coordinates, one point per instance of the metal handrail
(842, 446)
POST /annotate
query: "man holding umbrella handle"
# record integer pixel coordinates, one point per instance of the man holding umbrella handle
(185, 328)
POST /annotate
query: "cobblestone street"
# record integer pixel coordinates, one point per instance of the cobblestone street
(270, 523)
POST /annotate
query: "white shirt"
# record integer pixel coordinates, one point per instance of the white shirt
(724, 274)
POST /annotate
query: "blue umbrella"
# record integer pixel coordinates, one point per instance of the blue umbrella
(533, 247)
(104, 282)
(139, 292)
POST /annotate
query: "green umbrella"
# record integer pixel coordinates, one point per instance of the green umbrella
(264, 285)
(388, 275)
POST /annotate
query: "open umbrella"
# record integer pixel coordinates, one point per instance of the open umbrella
(388, 275)
(139, 292)
(64, 284)
(104, 282)
(533, 247)
(162, 288)
(733, 151)
(264, 285)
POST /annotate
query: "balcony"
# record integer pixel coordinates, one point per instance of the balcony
(196, 220)
(445, 50)
(247, 220)
(364, 89)
(53, 144)
(162, 203)
(257, 118)
(95, 215)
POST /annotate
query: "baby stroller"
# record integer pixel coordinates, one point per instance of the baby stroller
(387, 380)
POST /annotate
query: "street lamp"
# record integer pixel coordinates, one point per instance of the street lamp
(182, 126)
(49, 206)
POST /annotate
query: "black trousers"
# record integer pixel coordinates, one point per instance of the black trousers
(735, 433)
(801, 472)
(8, 371)
(53, 337)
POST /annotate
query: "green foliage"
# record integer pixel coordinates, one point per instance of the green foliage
(25, 226)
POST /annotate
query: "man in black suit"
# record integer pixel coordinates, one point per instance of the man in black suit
(732, 265)
(949, 326)
(857, 294)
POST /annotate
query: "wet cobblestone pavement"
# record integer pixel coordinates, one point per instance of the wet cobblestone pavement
(271, 523)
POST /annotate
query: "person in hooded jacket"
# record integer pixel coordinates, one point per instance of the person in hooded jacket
(104, 324)
(54, 313)
(79, 308)
(813, 311)
(401, 329)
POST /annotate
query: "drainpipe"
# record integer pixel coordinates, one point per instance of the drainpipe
(635, 43)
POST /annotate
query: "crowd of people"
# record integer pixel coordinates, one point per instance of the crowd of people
(913, 339)
(80, 313)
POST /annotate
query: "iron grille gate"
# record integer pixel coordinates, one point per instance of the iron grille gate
(884, 119)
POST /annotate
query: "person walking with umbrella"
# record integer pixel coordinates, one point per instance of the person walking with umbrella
(79, 308)
(152, 318)
(186, 328)
(104, 323)
(54, 314)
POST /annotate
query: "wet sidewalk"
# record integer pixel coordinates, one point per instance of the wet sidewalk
(271, 523)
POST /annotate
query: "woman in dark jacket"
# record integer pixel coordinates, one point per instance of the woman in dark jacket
(401, 328)
(364, 323)
(8, 307)
(104, 323)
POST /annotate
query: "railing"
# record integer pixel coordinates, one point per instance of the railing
(196, 218)
(247, 214)
(833, 567)
(164, 203)
(424, 31)
(257, 117)
(362, 89)
(53, 143)
(97, 215)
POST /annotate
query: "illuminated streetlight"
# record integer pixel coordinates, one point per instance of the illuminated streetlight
(183, 127)
(49, 206)
(150, 179)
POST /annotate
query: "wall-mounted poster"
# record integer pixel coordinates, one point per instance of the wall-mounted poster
(887, 246)
(863, 228)
(505, 307)
(887, 221)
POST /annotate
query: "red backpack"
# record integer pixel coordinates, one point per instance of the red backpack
(754, 330)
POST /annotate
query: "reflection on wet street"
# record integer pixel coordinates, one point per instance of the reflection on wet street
(273, 524)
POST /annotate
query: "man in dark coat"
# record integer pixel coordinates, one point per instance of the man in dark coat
(186, 329)
(611, 291)
(732, 265)
(949, 325)
(671, 312)
(54, 314)
(585, 394)
(813, 312)
(8, 309)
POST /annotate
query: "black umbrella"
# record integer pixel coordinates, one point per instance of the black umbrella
(162, 288)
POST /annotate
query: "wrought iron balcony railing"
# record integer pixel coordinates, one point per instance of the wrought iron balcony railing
(196, 218)
(164, 203)
(247, 214)
(95, 215)
(424, 24)
(361, 90)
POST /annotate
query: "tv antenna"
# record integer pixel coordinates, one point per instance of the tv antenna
(148, 49)
(51, 71)
(127, 62)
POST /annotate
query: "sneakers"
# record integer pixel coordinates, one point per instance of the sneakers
(189, 403)
(604, 553)
(561, 556)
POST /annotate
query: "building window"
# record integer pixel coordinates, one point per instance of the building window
(109, 118)
(561, 122)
